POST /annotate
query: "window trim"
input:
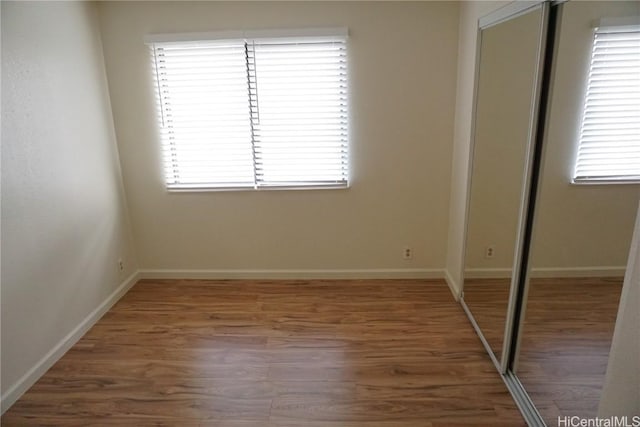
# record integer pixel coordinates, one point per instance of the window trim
(291, 35)
(281, 34)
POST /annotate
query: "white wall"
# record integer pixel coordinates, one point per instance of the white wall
(64, 220)
(402, 60)
(621, 393)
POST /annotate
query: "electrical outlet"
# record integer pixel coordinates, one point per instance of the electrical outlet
(407, 253)
(489, 251)
(120, 265)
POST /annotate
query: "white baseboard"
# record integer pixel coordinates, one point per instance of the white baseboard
(23, 384)
(391, 273)
(487, 273)
(453, 286)
(544, 272)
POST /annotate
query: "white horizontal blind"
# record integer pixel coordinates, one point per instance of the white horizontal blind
(206, 131)
(253, 112)
(609, 148)
(301, 127)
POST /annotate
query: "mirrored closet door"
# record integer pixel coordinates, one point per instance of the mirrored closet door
(506, 93)
(582, 226)
(554, 192)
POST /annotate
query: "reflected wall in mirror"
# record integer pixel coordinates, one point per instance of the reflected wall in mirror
(506, 80)
(580, 241)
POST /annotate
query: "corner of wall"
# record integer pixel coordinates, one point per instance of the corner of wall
(454, 285)
(18, 388)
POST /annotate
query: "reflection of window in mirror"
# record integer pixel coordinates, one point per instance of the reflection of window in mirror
(609, 143)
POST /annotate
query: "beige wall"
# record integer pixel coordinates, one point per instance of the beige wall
(402, 60)
(63, 214)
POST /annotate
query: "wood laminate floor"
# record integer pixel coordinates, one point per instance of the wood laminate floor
(568, 330)
(275, 353)
(567, 336)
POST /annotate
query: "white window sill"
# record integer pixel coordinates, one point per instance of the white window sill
(605, 181)
(187, 189)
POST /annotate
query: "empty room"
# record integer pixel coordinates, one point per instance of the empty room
(320, 213)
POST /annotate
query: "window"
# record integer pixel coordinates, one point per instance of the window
(253, 112)
(609, 147)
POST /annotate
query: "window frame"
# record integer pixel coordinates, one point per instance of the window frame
(282, 36)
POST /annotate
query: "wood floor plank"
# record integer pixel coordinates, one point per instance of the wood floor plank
(342, 353)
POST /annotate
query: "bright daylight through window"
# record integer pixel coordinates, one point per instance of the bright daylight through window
(253, 112)
(609, 149)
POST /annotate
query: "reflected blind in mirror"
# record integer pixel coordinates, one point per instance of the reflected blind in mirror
(609, 147)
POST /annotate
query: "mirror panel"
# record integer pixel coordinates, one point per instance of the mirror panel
(505, 95)
(580, 242)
